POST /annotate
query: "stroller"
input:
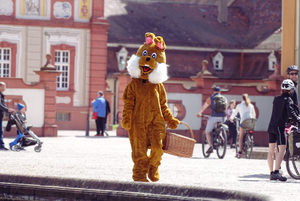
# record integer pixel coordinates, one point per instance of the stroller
(25, 130)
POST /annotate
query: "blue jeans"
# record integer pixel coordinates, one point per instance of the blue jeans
(1, 134)
(20, 135)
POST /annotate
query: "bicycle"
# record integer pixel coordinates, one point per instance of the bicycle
(248, 126)
(292, 162)
(219, 138)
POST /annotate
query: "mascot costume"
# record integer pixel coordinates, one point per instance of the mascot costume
(145, 107)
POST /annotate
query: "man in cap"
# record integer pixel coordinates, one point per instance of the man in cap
(215, 116)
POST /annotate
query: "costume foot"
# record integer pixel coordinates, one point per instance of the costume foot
(153, 173)
(140, 179)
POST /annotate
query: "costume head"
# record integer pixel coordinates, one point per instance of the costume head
(149, 63)
(20, 106)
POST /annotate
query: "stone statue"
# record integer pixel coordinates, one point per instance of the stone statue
(48, 65)
(32, 8)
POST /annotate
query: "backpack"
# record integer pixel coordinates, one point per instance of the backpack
(219, 104)
(294, 142)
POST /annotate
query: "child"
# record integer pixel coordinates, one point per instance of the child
(21, 114)
(231, 125)
(283, 108)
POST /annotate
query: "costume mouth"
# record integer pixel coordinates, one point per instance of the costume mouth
(146, 69)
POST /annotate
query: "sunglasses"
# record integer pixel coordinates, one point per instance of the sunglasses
(293, 73)
(285, 85)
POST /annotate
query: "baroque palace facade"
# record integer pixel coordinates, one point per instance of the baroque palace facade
(91, 40)
(74, 32)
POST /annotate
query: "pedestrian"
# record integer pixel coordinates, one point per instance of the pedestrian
(231, 125)
(22, 116)
(218, 105)
(106, 114)
(292, 74)
(3, 108)
(99, 106)
(246, 111)
(283, 109)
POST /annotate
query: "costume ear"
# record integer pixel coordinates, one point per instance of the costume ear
(149, 38)
(160, 43)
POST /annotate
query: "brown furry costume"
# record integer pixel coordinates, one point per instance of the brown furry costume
(145, 107)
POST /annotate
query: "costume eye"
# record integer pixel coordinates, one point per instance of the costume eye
(145, 53)
(154, 55)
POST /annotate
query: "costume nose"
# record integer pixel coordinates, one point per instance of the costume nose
(148, 59)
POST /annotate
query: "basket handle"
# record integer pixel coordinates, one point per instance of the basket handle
(192, 134)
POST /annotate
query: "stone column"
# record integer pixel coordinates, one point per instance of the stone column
(48, 76)
(124, 79)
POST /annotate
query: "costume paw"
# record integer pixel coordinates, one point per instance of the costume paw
(126, 123)
(153, 173)
(173, 123)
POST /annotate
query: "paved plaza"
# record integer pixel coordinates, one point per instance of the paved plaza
(73, 155)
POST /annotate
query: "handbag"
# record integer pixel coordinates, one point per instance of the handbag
(95, 114)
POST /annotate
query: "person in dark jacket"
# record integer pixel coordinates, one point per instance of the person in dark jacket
(107, 112)
(3, 108)
(283, 109)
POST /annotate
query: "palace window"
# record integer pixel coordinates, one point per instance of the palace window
(62, 63)
(62, 116)
(173, 109)
(5, 62)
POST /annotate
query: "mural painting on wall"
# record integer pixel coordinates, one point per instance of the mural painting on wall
(6, 7)
(84, 9)
(62, 10)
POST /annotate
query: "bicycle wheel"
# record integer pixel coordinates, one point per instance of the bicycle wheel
(248, 145)
(221, 143)
(293, 166)
(205, 145)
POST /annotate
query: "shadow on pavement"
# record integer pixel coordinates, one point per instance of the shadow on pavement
(260, 176)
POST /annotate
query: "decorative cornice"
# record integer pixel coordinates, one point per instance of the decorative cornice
(201, 49)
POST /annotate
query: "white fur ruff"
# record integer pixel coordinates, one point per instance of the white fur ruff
(158, 75)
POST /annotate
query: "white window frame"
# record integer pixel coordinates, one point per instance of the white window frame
(5, 62)
(60, 65)
(218, 61)
(272, 61)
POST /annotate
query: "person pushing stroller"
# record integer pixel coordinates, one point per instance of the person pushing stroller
(22, 116)
(19, 118)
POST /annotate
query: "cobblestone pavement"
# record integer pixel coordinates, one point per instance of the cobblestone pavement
(74, 155)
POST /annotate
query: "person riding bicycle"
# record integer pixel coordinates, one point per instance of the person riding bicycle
(217, 115)
(246, 111)
(283, 109)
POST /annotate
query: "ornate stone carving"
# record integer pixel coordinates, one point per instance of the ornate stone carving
(62, 10)
(48, 65)
(32, 7)
(6, 7)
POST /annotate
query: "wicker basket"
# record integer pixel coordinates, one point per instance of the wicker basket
(179, 145)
